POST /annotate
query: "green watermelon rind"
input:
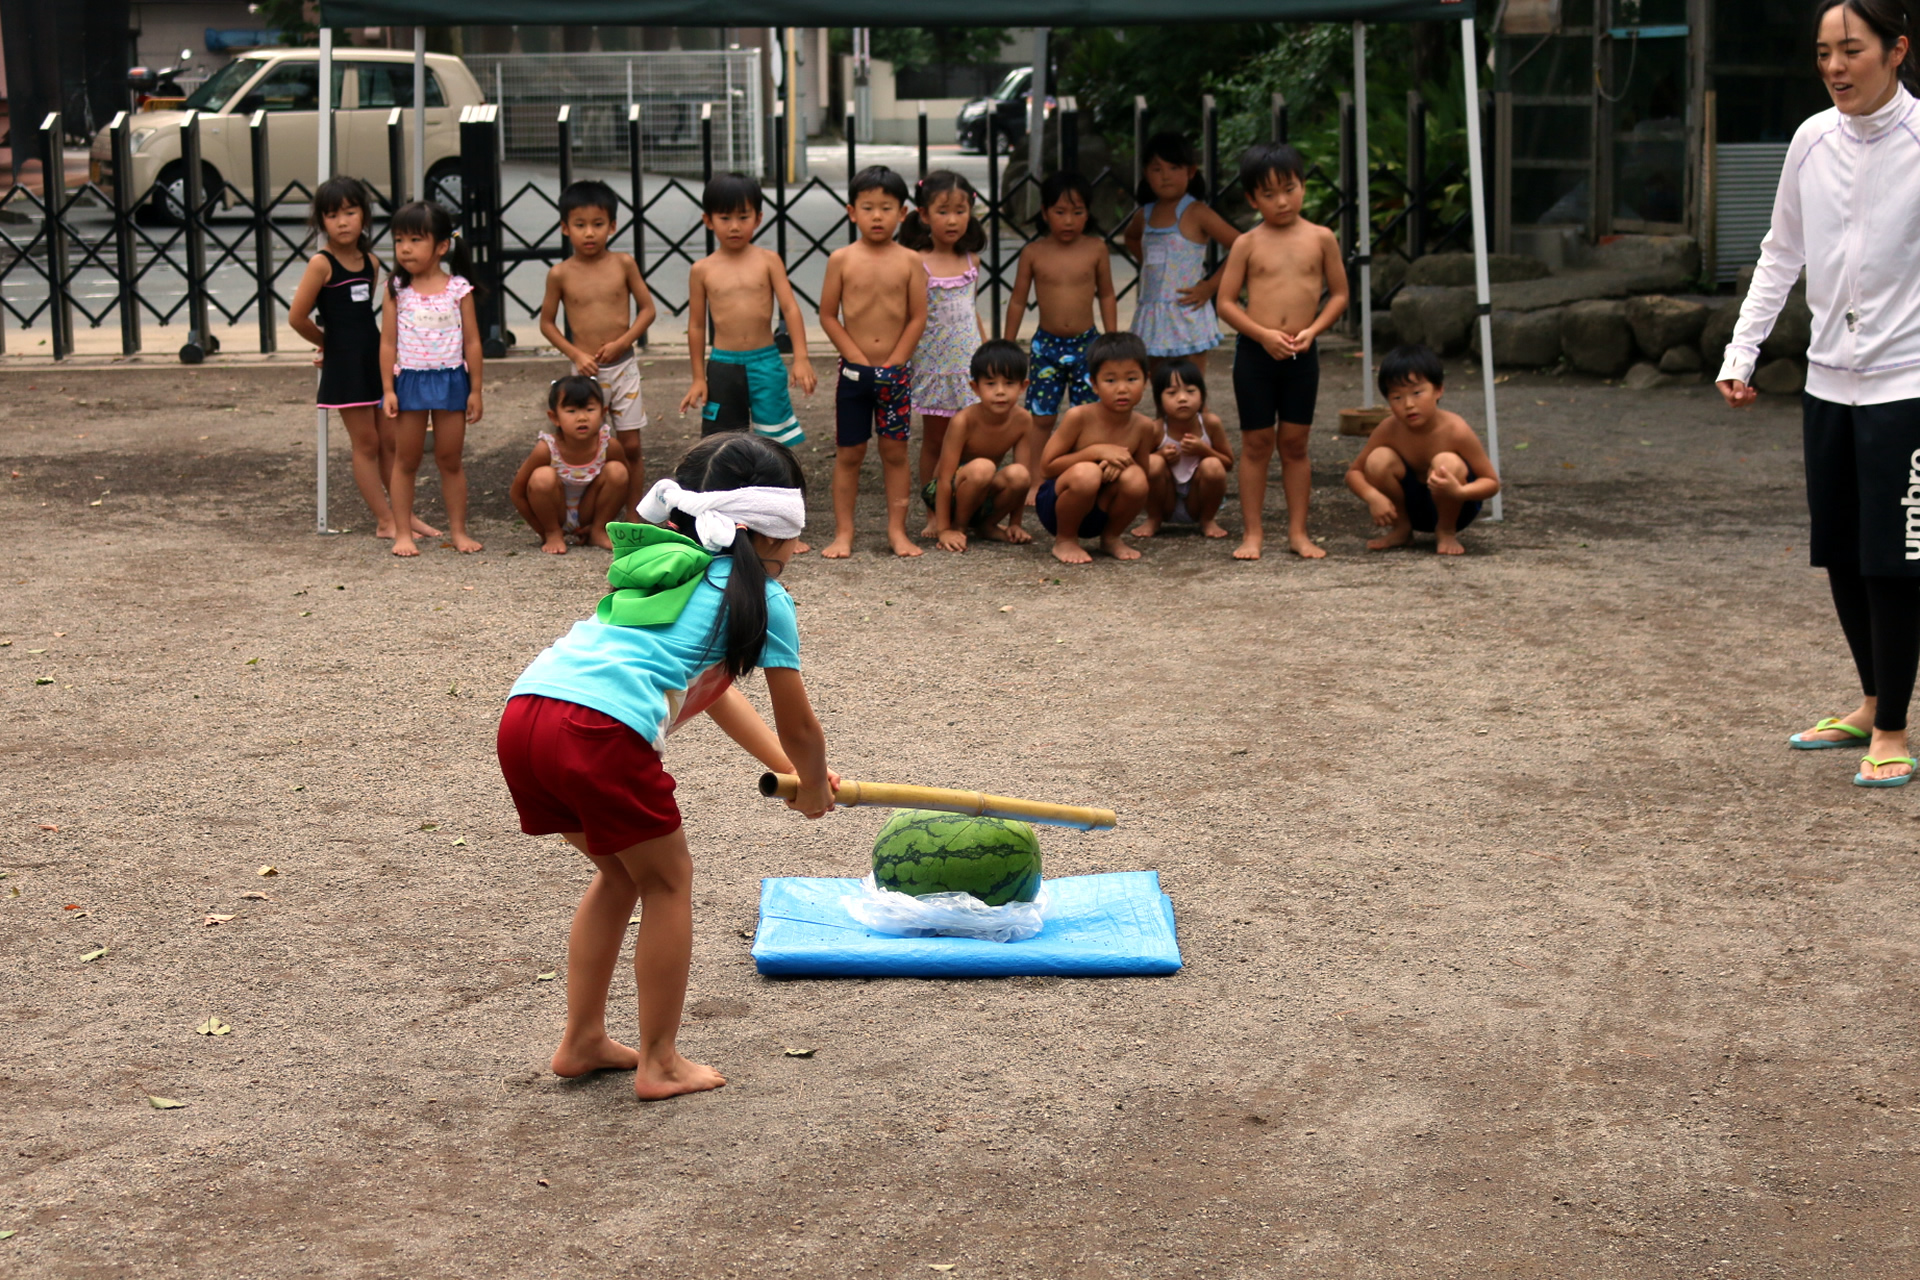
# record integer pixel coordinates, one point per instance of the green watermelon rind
(921, 851)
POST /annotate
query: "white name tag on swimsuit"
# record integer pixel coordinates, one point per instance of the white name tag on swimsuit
(1157, 251)
(425, 319)
(360, 291)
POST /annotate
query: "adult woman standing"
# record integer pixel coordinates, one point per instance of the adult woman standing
(1848, 211)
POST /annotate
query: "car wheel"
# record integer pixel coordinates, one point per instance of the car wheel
(167, 205)
(444, 183)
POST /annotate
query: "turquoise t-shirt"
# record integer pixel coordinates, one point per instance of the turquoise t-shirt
(655, 679)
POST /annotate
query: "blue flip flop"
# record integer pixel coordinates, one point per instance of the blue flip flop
(1799, 742)
(1862, 780)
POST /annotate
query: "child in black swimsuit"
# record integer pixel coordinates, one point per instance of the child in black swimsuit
(339, 284)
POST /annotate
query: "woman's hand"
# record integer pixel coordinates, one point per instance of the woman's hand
(1738, 394)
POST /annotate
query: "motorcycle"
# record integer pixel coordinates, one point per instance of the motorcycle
(147, 83)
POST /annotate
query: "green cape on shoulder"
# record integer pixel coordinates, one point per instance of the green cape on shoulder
(653, 575)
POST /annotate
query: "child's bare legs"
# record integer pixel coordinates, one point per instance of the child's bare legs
(602, 502)
(1037, 437)
(593, 948)
(1206, 493)
(410, 442)
(1007, 491)
(1296, 480)
(933, 435)
(545, 510)
(1129, 494)
(449, 441)
(1077, 491)
(1446, 530)
(896, 477)
(846, 491)
(364, 434)
(636, 484)
(1161, 497)
(1383, 470)
(1256, 453)
(388, 437)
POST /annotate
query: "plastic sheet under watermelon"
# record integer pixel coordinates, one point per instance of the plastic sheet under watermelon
(1113, 925)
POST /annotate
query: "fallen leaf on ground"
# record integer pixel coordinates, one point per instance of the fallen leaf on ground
(213, 1027)
(298, 786)
(49, 826)
(213, 920)
(268, 870)
(1006, 608)
(36, 651)
(1523, 444)
(93, 955)
(8, 1235)
(459, 842)
(799, 1053)
(253, 662)
(43, 680)
(257, 897)
(453, 690)
(542, 1182)
(164, 1104)
(545, 977)
(940, 1266)
(71, 906)
(429, 826)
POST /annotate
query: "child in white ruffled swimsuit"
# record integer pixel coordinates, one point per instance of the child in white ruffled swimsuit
(575, 479)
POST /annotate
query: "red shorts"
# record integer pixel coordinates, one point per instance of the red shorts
(572, 768)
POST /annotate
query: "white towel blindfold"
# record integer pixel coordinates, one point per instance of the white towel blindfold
(776, 513)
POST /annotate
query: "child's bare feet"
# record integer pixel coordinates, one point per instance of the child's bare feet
(421, 529)
(1394, 537)
(929, 531)
(600, 539)
(1146, 528)
(384, 530)
(1119, 550)
(839, 548)
(1250, 544)
(1306, 548)
(1448, 544)
(903, 546)
(465, 545)
(668, 1080)
(1069, 551)
(605, 1054)
(801, 548)
(1007, 533)
(554, 544)
(403, 546)
(1212, 529)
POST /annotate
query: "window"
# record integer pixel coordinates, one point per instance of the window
(291, 86)
(390, 84)
(223, 84)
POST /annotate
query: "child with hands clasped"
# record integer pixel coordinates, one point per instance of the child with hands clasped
(1423, 470)
(338, 284)
(1286, 265)
(695, 607)
(429, 364)
(975, 491)
(574, 481)
(1096, 460)
(608, 309)
(1187, 474)
(873, 306)
(1168, 238)
(943, 231)
(1068, 272)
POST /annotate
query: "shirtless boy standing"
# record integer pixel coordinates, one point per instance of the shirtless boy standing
(972, 492)
(1423, 470)
(1068, 271)
(595, 285)
(744, 384)
(1285, 265)
(873, 306)
(1096, 461)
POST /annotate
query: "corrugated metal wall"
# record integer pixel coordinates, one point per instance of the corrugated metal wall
(1746, 174)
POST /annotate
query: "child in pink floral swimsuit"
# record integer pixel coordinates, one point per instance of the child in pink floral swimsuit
(948, 237)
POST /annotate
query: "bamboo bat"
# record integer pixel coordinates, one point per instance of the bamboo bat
(887, 795)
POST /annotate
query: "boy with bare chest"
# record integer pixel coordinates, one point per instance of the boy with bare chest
(1286, 266)
(974, 491)
(608, 308)
(1096, 461)
(873, 306)
(1423, 469)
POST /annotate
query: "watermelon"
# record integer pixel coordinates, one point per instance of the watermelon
(920, 851)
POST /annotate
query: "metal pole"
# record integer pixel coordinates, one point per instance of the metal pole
(1363, 169)
(923, 139)
(500, 101)
(1037, 106)
(126, 259)
(853, 232)
(396, 162)
(1482, 284)
(706, 154)
(1416, 174)
(262, 234)
(419, 187)
(638, 194)
(1139, 140)
(780, 179)
(53, 189)
(862, 106)
(563, 122)
(993, 231)
(200, 343)
(1210, 165)
(325, 155)
(1347, 203)
(1070, 134)
(1277, 118)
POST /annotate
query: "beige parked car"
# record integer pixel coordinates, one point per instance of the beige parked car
(285, 83)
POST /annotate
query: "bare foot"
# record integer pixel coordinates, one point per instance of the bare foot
(929, 531)
(599, 538)
(679, 1076)
(1146, 528)
(1392, 538)
(1249, 548)
(384, 530)
(1448, 544)
(903, 546)
(403, 546)
(801, 548)
(467, 546)
(1306, 548)
(605, 1054)
(839, 548)
(421, 529)
(554, 544)
(1006, 533)
(1069, 551)
(1213, 529)
(1118, 549)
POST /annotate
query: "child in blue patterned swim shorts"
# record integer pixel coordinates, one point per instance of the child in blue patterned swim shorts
(1067, 271)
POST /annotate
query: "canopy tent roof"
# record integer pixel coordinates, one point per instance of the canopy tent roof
(875, 13)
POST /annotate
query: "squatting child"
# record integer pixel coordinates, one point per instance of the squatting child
(1187, 475)
(1068, 272)
(1096, 460)
(975, 490)
(743, 383)
(1423, 470)
(1286, 266)
(873, 306)
(608, 308)
(695, 608)
(575, 480)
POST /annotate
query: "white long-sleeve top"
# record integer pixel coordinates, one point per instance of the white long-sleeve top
(1848, 211)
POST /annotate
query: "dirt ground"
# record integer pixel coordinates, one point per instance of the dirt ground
(1517, 942)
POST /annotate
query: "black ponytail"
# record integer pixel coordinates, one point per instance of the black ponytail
(1889, 20)
(429, 218)
(736, 460)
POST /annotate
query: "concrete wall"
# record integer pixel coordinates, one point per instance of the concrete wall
(896, 122)
(165, 29)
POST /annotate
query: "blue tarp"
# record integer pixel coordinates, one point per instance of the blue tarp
(1104, 926)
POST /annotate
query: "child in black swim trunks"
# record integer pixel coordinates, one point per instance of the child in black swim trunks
(1423, 470)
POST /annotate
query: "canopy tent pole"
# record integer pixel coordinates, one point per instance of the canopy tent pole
(419, 114)
(1037, 109)
(1363, 192)
(1482, 283)
(325, 167)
